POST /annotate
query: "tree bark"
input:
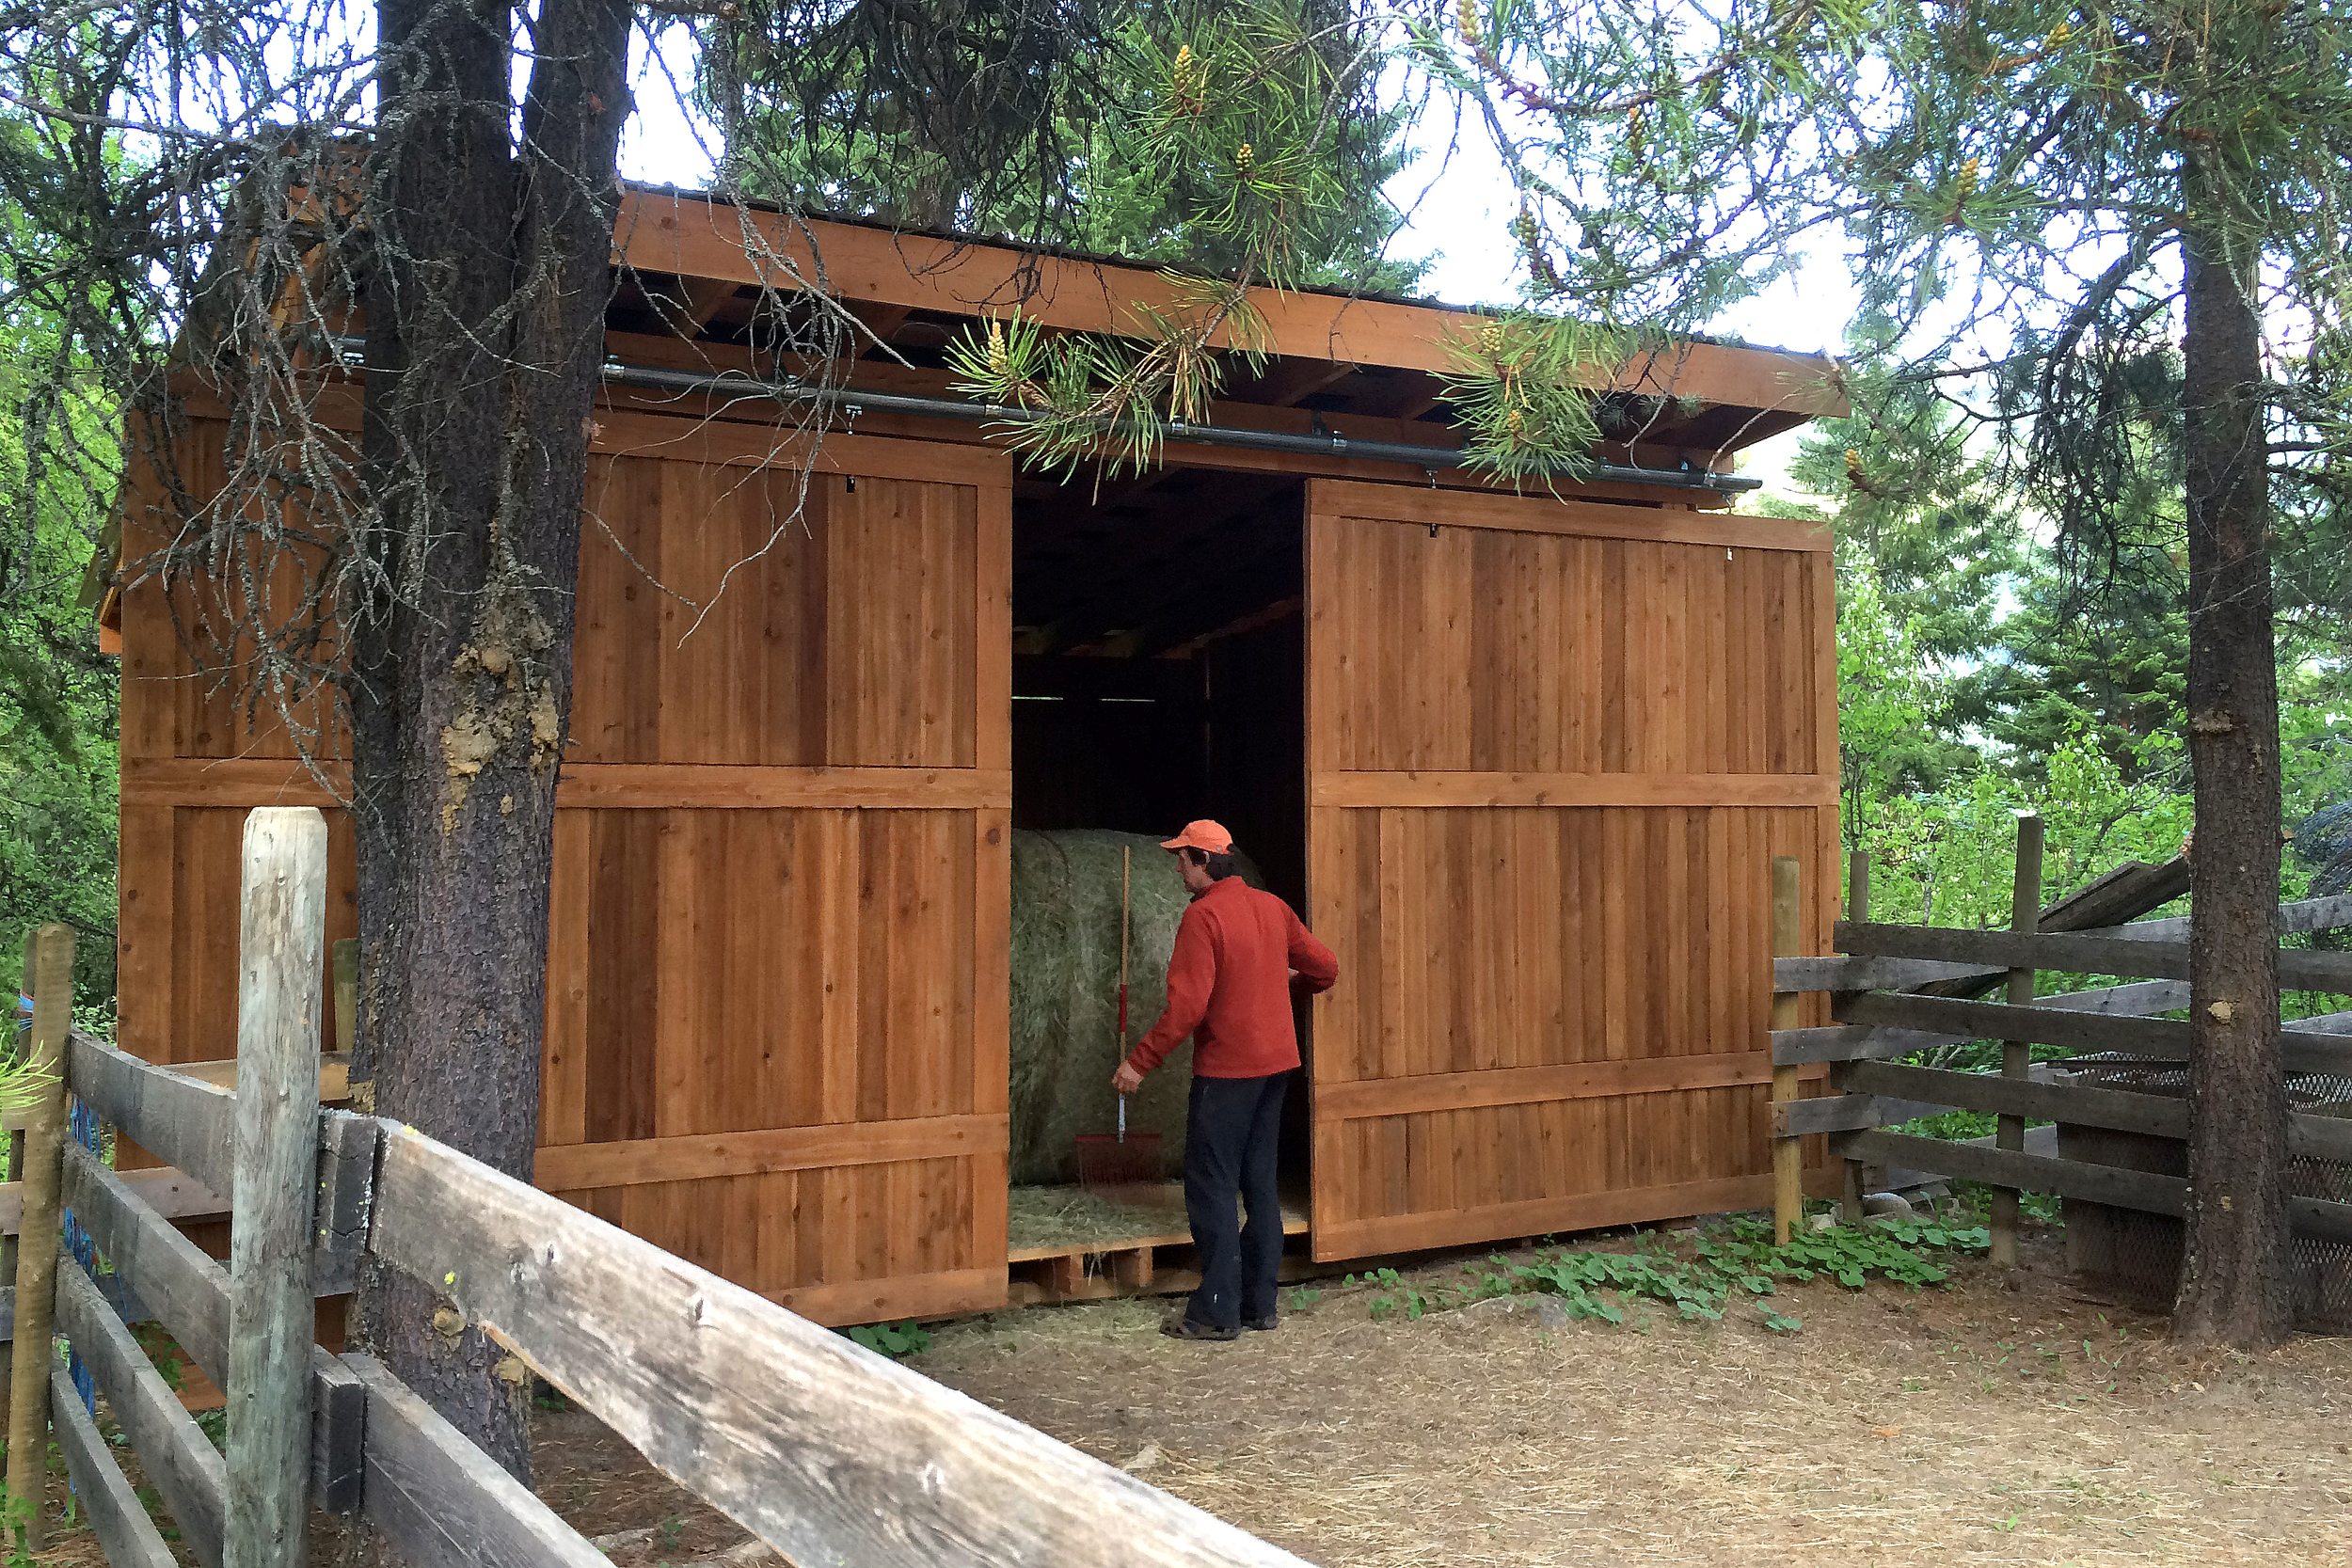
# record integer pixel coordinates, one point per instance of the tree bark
(2234, 1278)
(485, 334)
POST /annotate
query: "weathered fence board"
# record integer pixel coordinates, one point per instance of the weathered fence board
(2139, 999)
(118, 1295)
(443, 1503)
(180, 1284)
(2321, 1137)
(2139, 958)
(181, 1121)
(346, 1180)
(2295, 919)
(1866, 972)
(2314, 1216)
(116, 1515)
(827, 1451)
(177, 1456)
(173, 1194)
(2040, 1173)
(1847, 1042)
(2157, 1116)
(188, 1293)
(2302, 1051)
(1844, 1112)
(2002, 1167)
(1859, 1042)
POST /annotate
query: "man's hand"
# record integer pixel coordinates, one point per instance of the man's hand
(1126, 1080)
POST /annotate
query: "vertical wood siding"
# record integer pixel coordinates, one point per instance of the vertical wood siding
(1549, 770)
(775, 1037)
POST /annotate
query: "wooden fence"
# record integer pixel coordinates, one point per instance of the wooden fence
(828, 1452)
(1880, 1011)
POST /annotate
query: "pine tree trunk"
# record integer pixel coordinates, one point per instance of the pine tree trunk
(2233, 1277)
(485, 330)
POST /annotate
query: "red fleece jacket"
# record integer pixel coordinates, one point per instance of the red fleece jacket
(1228, 985)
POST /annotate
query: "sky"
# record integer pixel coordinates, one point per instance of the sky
(1457, 209)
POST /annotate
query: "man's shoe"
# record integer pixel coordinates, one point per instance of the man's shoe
(1177, 1326)
(1264, 1326)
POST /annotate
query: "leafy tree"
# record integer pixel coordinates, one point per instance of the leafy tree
(57, 760)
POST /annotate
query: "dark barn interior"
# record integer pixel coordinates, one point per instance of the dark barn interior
(1158, 666)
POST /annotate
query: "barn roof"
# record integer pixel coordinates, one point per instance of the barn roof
(690, 268)
(695, 265)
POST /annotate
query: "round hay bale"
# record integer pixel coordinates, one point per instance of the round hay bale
(1065, 994)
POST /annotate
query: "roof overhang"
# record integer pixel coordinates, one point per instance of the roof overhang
(711, 240)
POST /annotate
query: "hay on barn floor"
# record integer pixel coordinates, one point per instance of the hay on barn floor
(1065, 995)
(1067, 1217)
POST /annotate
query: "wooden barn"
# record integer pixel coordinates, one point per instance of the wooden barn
(1522, 759)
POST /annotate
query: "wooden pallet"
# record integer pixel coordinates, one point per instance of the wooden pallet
(1125, 1266)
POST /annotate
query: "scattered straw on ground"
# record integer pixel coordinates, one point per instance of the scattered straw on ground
(1978, 1424)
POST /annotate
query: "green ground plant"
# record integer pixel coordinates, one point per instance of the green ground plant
(1723, 1264)
(896, 1340)
(16, 1517)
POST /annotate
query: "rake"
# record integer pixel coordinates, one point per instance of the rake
(1121, 1159)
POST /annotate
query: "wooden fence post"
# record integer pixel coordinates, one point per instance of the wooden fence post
(36, 1238)
(13, 1171)
(1857, 910)
(281, 931)
(1788, 1153)
(2025, 913)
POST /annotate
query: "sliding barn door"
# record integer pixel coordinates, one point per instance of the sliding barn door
(777, 973)
(777, 960)
(1553, 748)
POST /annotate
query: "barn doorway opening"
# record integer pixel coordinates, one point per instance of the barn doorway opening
(1158, 675)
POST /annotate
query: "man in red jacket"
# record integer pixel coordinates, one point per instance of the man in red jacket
(1237, 950)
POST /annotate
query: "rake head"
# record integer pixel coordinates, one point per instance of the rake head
(1109, 1159)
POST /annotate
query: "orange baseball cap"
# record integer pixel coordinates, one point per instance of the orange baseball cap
(1204, 835)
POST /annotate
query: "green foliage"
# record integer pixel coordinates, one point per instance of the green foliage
(1736, 1262)
(1976, 679)
(1037, 122)
(58, 462)
(16, 1517)
(891, 1340)
(1520, 389)
(1247, 102)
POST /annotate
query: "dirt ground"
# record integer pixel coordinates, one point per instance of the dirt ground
(1977, 1423)
(2003, 1419)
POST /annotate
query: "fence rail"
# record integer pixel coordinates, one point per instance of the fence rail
(824, 1449)
(1882, 1008)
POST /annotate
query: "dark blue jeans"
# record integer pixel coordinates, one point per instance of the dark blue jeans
(1231, 1139)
